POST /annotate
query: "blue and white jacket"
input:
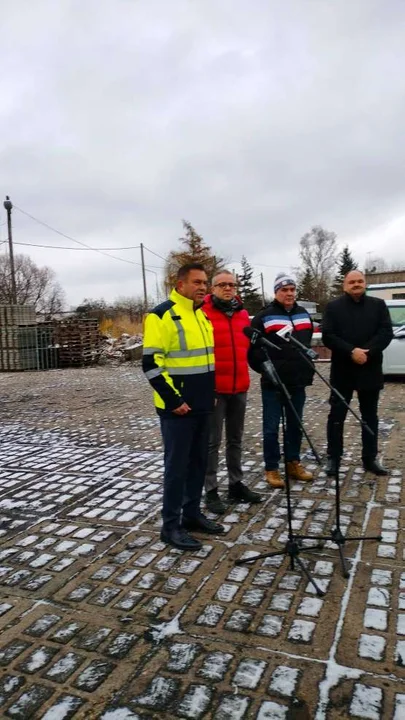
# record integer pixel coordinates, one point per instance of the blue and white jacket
(293, 370)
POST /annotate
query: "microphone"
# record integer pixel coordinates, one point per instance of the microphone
(286, 334)
(269, 370)
(257, 338)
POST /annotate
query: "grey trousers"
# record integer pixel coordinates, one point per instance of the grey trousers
(229, 410)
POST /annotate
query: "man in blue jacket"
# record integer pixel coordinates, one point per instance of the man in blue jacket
(295, 373)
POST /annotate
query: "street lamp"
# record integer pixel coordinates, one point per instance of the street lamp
(8, 206)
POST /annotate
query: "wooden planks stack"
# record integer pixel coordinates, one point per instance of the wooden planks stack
(18, 338)
(78, 340)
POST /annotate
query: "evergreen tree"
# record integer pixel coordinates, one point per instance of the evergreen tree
(250, 294)
(194, 250)
(306, 287)
(346, 264)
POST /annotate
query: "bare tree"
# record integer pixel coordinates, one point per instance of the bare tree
(133, 307)
(379, 264)
(35, 285)
(376, 264)
(318, 254)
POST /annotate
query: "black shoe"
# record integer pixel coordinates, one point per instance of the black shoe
(203, 525)
(213, 502)
(331, 467)
(180, 539)
(375, 467)
(240, 492)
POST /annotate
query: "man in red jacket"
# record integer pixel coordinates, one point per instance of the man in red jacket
(228, 317)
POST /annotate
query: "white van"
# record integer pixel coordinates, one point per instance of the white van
(394, 354)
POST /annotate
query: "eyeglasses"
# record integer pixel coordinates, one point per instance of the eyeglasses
(224, 285)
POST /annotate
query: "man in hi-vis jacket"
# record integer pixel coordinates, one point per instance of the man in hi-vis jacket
(178, 361)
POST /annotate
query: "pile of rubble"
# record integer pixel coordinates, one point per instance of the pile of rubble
(122, 349)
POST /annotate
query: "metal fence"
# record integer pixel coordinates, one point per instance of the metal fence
(29, 345)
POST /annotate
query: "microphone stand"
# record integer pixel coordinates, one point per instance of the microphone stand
(294, 546)
(336, 536)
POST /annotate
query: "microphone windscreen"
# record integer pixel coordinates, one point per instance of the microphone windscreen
(249, 331)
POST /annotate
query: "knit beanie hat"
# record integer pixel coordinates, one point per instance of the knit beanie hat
(283, 279)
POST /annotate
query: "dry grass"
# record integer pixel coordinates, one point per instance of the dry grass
(121, 324)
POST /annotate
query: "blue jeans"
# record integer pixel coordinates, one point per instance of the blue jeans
(271, 422)
(185, 440)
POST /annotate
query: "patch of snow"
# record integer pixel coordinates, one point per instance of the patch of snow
(249, 672)
(372, 647)
(166, 629)
(272, 711)
(284, 680)
(375, 619)
(366, 702)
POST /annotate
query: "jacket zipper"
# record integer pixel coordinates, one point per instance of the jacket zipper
(234, 354)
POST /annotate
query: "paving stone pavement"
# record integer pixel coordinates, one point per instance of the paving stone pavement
(99, 619)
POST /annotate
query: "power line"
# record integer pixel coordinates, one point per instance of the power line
(285, 267)
(80, 249)
(64, 247)
(154, 253)
(68, 237)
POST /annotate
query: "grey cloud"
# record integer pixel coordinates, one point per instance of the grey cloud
(253, 122)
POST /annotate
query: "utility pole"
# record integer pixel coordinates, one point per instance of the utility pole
(262, 283)
(8, 205)
(145, 294)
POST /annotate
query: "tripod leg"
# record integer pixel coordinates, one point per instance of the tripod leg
(242, 561)
(345, 569)
(365, 537)
(309, 577)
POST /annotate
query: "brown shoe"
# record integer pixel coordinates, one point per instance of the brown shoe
(296, 471)
(274, 479)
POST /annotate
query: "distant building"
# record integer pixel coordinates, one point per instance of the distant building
(388, 291)
(388, 285)
(383, 277)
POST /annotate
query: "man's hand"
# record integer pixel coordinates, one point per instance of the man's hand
(359, 356)
(182, 409)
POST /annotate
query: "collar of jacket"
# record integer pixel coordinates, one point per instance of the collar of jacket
(281, 306)
(224, 306)
(182, 301)
(360, 301)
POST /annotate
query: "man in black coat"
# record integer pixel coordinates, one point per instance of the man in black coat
(357, 328)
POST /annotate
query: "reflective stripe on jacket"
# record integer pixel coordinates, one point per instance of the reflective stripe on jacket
(178, 355)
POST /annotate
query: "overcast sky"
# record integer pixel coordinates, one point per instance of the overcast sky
(252, 120)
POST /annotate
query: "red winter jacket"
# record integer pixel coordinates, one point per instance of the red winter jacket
(230, 348)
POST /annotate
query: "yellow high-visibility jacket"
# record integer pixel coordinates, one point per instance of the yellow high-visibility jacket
(178, 356)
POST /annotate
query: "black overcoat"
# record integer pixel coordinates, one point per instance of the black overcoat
(348, 324)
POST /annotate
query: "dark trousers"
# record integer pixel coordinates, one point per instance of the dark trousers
(271, 421)
(185, 440)
(229, 411)
(368, 401)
